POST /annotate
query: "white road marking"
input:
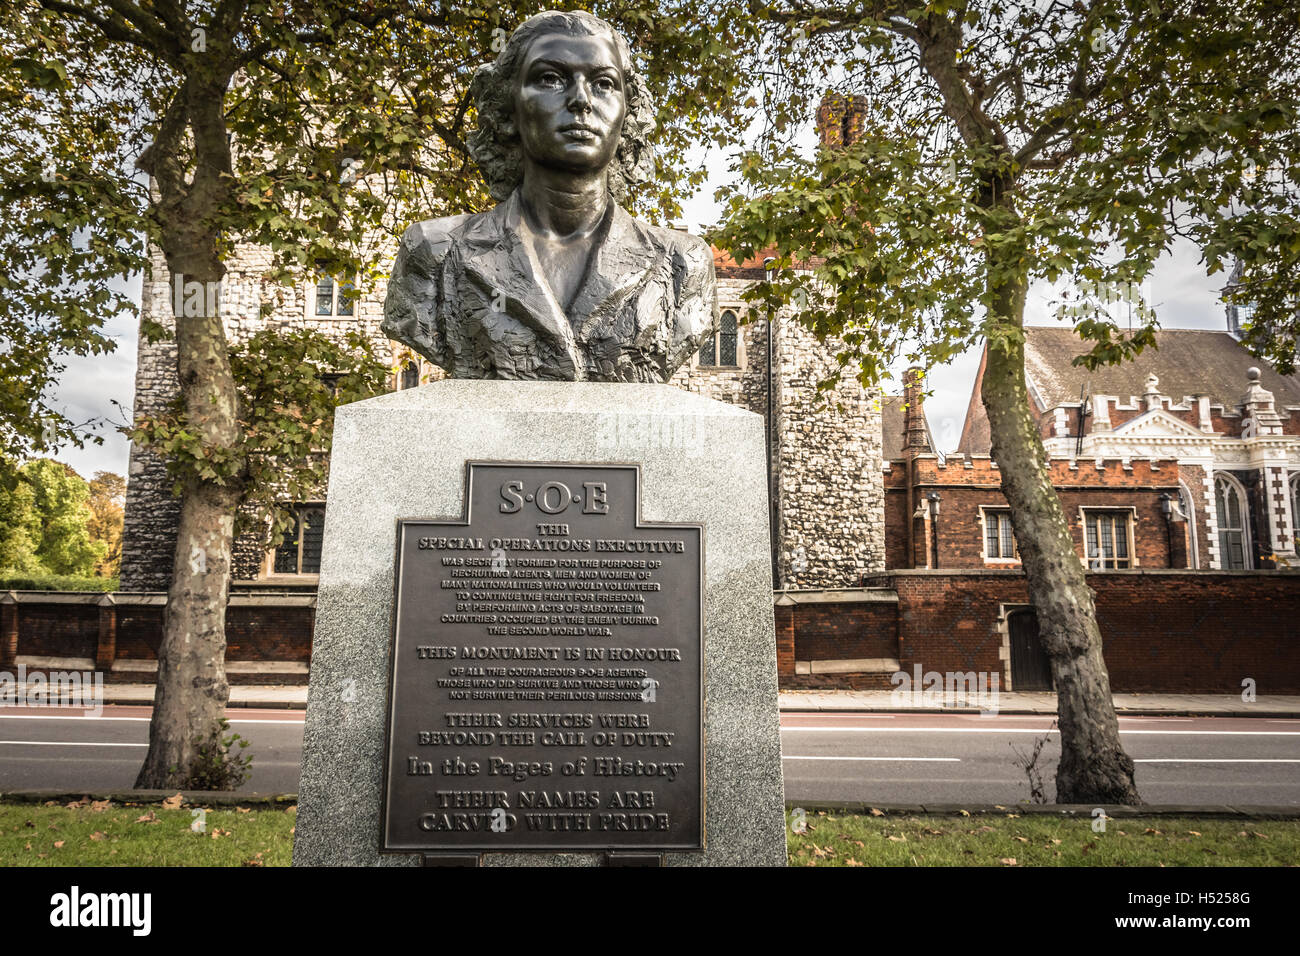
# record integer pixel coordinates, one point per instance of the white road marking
(65, 743)
(233, 720)
(1214, 760)
(910, 759)
(1031, 730)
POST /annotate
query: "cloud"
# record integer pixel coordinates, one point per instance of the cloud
(86, 390)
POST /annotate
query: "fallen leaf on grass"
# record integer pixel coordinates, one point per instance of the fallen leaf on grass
(1021, 839)
(243, 810)
(78, 804)
(1194, 832)
(27, 847)
(877, 813)
(254, 861)
(1158, 832)
(149, 817)
(99, 806)
(50, 803)
(897, 839)
(218, 832)
(97, 835)
(1055, 842)
(173, 802)
(964, 813)
(1008, 861)
(851, 862)
(58, 844)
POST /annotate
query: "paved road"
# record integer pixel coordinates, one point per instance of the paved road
(886, 758)
(957, 758)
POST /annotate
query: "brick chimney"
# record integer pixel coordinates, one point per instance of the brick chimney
(918, 548)
(839, 119)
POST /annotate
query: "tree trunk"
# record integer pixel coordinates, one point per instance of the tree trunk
(1094, 768)
(191, 694)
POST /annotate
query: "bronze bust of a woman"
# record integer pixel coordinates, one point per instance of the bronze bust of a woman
(557, 281)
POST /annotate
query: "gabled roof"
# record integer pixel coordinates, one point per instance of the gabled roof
(1187, 362)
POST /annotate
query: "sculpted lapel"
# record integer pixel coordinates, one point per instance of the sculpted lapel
(646, 301)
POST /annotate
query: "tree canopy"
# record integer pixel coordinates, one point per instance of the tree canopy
(1077, 140)
(46, 523)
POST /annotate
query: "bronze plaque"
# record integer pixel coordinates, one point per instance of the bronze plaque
(546, 670)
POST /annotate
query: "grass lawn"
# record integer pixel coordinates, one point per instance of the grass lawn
(113, 834)
(104, 834)
(1042, 840)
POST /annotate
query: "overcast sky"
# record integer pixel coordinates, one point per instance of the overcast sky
(1183, 295)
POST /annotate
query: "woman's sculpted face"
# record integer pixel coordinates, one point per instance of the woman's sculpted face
(570, 102)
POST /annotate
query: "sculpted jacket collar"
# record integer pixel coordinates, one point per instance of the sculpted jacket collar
(496, 254)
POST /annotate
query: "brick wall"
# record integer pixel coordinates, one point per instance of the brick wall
(58, 630)
(845, 631)
(969, 488)
(128, 627)
(1162, 631)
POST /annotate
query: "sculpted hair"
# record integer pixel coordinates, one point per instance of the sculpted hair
(494, 144)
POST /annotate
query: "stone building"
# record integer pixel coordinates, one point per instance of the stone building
(826, 485)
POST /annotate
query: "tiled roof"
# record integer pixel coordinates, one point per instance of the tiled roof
(1187, 362)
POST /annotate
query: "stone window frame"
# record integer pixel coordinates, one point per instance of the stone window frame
(1130, 521)
(1193, 535)
(741, 363)
(298, 577)
(1247, 538)
(1293, 493)
(337, 285)
(985, 510)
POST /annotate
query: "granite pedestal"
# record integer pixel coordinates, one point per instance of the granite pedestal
(404, 455)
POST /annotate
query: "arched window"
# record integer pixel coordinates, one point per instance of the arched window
(1295, 509)
(1189, 511)
(721, 350)
(1230, 510)
(410, 375)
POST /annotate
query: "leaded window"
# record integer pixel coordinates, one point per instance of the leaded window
(299, 552)
(722, 349)
(999, 539)
(335, 299)
(1230, 510)
(1106, 537)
